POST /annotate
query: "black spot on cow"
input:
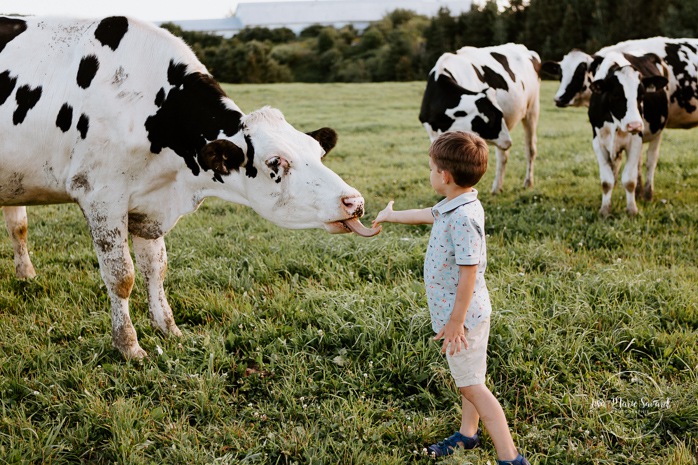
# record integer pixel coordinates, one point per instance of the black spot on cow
(87, 70)
(111, 30)
(575, 85)
(65, 117)
(607, 101)
(686, 82)
(492, 78)
(490, 126)
(250, 170)
(83, 125)
(7, 85)
(656, 110)
(441, 94)
(176, 73)
(26, 98)
(160, 97)
(9, 29)
(502, 59)
(189, 116)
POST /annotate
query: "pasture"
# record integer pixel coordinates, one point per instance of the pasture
(301, 347)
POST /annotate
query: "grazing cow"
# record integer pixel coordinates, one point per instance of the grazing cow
(486, 91)
(628, 106)
(120, 117)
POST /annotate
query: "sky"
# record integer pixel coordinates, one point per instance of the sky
(149, 10)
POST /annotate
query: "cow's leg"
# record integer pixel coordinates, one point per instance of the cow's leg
(530, 126)
(151, 258)
(607, 173)
(109, 234)
(630, 172)
(502, 158)
(16, 222)
(652, 159)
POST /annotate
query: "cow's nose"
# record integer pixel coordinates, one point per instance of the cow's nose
(635, 127)
(354, 205)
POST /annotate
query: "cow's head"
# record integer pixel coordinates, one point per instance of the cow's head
(574, 73)
(446, 106)
(280, 174)
(621, 87)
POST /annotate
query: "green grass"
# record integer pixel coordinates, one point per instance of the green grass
(301, 347)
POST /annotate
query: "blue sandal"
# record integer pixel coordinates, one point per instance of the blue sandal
(520, 460)
(450, 444)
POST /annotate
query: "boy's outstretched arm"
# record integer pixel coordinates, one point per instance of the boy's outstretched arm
(416, 216)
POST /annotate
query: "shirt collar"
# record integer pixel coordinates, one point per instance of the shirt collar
(446, 205)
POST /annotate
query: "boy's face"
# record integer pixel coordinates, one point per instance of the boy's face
(436, 177)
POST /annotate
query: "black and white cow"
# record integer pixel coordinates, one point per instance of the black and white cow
(486, 91)
(577, 69)
(120, 117)
(629, 106)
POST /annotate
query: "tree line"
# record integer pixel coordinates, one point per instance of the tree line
(403, 46)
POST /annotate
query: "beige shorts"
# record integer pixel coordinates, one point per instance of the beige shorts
(469, 366)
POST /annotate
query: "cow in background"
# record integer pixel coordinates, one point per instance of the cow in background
(577, 69)
(486, 91)
(628, 107)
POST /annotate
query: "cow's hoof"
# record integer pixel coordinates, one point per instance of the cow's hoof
(174, 331)
(604, 212)
(25, 272)
(632, 211)
(649, 195)
(133, 352)
(528, 184)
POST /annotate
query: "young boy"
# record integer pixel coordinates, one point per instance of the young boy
(459, 303)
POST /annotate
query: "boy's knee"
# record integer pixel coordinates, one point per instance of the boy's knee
(471, 392)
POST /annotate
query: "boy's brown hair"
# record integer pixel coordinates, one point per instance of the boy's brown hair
(462, 154)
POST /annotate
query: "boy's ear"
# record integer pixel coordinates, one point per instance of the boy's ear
(446, 176)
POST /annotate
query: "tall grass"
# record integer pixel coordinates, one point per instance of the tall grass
(301, 347)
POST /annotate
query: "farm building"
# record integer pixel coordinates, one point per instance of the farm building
(298, 15)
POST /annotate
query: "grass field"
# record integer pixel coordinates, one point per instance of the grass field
(305, 348)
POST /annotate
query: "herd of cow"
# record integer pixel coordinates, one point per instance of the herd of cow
(120, 117)
(633, 89)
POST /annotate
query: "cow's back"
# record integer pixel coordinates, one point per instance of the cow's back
(511, 69)
(108, 70)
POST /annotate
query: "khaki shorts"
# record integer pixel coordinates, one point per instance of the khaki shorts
(469, 366)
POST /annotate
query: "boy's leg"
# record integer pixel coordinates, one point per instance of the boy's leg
(492, 416)
(469, 418)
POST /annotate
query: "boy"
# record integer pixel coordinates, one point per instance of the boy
(458, 299)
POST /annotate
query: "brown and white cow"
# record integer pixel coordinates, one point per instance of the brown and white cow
(628, 107)
(486, 91)
(120, 117)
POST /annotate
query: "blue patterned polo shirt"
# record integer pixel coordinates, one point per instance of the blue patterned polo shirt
(457, 238)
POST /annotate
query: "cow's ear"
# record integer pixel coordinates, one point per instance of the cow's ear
(654, 83)
(552, 68)
(221, 156)
(327, 137)
(597, 86)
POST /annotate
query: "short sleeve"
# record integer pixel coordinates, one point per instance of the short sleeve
(467, 238)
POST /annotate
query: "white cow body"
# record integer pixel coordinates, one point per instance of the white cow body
(120, 117)
(487, 91)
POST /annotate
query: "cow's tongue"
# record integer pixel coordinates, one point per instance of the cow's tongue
(355, 226)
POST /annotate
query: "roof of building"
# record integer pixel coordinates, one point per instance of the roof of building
(297, 15)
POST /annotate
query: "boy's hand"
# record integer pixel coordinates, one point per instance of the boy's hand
(384, 215)
(453, 333)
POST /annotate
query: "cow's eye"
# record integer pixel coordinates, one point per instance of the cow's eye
(278, 167)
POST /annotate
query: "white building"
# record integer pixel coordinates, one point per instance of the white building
(300, 14)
